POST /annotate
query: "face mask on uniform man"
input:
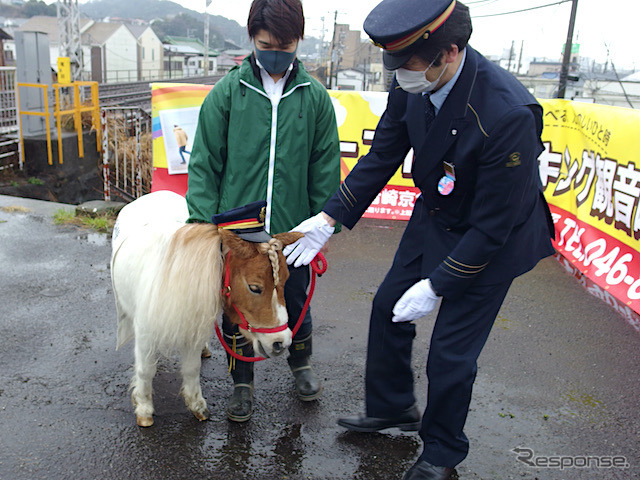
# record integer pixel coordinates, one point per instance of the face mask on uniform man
(413, 81)
(275, 61)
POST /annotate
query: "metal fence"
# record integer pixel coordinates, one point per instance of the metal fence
(9, 126)
(127, 152)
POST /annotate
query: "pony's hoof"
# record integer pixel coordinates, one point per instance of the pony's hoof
(206, 353)
(144, 421)
(202, 416)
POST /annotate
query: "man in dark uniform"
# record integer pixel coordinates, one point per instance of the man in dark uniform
(480, 221)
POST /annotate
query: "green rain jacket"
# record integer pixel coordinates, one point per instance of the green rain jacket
(246, 150)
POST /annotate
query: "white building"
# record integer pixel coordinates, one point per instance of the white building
(349, 80)
(149, 52)
(114, 52)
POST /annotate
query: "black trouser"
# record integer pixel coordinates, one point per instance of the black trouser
(460, 332)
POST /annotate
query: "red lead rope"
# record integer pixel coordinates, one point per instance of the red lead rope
(318, 267)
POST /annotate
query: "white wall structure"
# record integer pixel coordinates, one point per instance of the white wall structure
(118, 48)
(150, 52)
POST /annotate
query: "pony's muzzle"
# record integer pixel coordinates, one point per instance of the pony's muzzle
(272, 344)
(278, 348)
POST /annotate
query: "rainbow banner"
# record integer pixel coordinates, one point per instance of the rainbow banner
(173, 104)
(588, 170)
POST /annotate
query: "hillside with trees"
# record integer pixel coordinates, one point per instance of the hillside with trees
(168, 19)
(29, 9)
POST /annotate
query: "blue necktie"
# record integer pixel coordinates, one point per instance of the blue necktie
(429, 110)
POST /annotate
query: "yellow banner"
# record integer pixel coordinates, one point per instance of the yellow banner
(590, 165)
(591, 175)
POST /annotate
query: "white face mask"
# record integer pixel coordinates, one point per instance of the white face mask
(413, 81)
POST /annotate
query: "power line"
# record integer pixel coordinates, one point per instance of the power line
(523, 10)
(479, 1)
(483, 3)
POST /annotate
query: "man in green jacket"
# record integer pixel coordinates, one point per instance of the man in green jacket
(267, 131)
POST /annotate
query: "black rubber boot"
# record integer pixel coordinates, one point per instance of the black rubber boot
(240, 405)
(308, 386)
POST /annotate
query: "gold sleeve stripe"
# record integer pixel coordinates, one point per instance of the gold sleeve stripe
(478, 120)
(345, 197)
(466, 272)
(348, 207)
(468, 266)
(350, 194)
(451, 273)
(347, 194)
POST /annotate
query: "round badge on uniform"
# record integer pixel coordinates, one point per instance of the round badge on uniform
(445, 185)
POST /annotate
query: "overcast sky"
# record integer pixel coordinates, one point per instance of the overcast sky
(541, 32)
(544, 31)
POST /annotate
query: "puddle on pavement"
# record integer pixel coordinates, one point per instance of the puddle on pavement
(53, 291)
(100, 239)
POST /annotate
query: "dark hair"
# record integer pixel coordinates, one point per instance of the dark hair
(455, 30)
(283, 19)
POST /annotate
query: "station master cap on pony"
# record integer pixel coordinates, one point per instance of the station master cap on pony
(247, 221)
(401, 26)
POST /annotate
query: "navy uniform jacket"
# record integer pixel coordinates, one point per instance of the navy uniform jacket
(496, 224)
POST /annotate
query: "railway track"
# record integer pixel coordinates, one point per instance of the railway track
(133, 94)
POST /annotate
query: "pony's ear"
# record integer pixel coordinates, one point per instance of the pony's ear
(288, 238)
(239, 247)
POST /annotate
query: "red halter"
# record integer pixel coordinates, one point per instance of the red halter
(318, 267)
(226, 290)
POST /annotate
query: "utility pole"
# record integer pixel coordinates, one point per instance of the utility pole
(206, 38)
(567, 51)
(510, 57)
(69, 36)
(321, 54)
(520, 57)
(331, 50)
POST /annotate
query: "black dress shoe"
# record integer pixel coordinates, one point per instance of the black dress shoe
(408, 421)
(423, 470)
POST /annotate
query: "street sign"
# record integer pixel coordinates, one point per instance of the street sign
(64, 70)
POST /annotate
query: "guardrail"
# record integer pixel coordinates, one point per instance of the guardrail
(77, 108)
(127, 162)
(9, 126)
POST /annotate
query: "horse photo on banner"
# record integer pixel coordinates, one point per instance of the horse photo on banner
(589, 171)
(178, 129)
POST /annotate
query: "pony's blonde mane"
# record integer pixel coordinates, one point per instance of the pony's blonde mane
(271, 249)
(191, 271)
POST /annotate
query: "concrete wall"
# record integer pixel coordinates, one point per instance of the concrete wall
(74, 181)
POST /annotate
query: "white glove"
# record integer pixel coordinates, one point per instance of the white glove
(416, 302)
(316, 233)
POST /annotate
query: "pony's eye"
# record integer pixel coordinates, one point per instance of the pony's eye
(255, 289)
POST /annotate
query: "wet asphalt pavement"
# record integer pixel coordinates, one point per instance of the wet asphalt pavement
(558, 378)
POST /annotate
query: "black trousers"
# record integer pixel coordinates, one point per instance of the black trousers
(460, 332)
(295, 295)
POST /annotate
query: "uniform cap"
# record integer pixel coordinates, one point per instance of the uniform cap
(401, 26)
(247, 221)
